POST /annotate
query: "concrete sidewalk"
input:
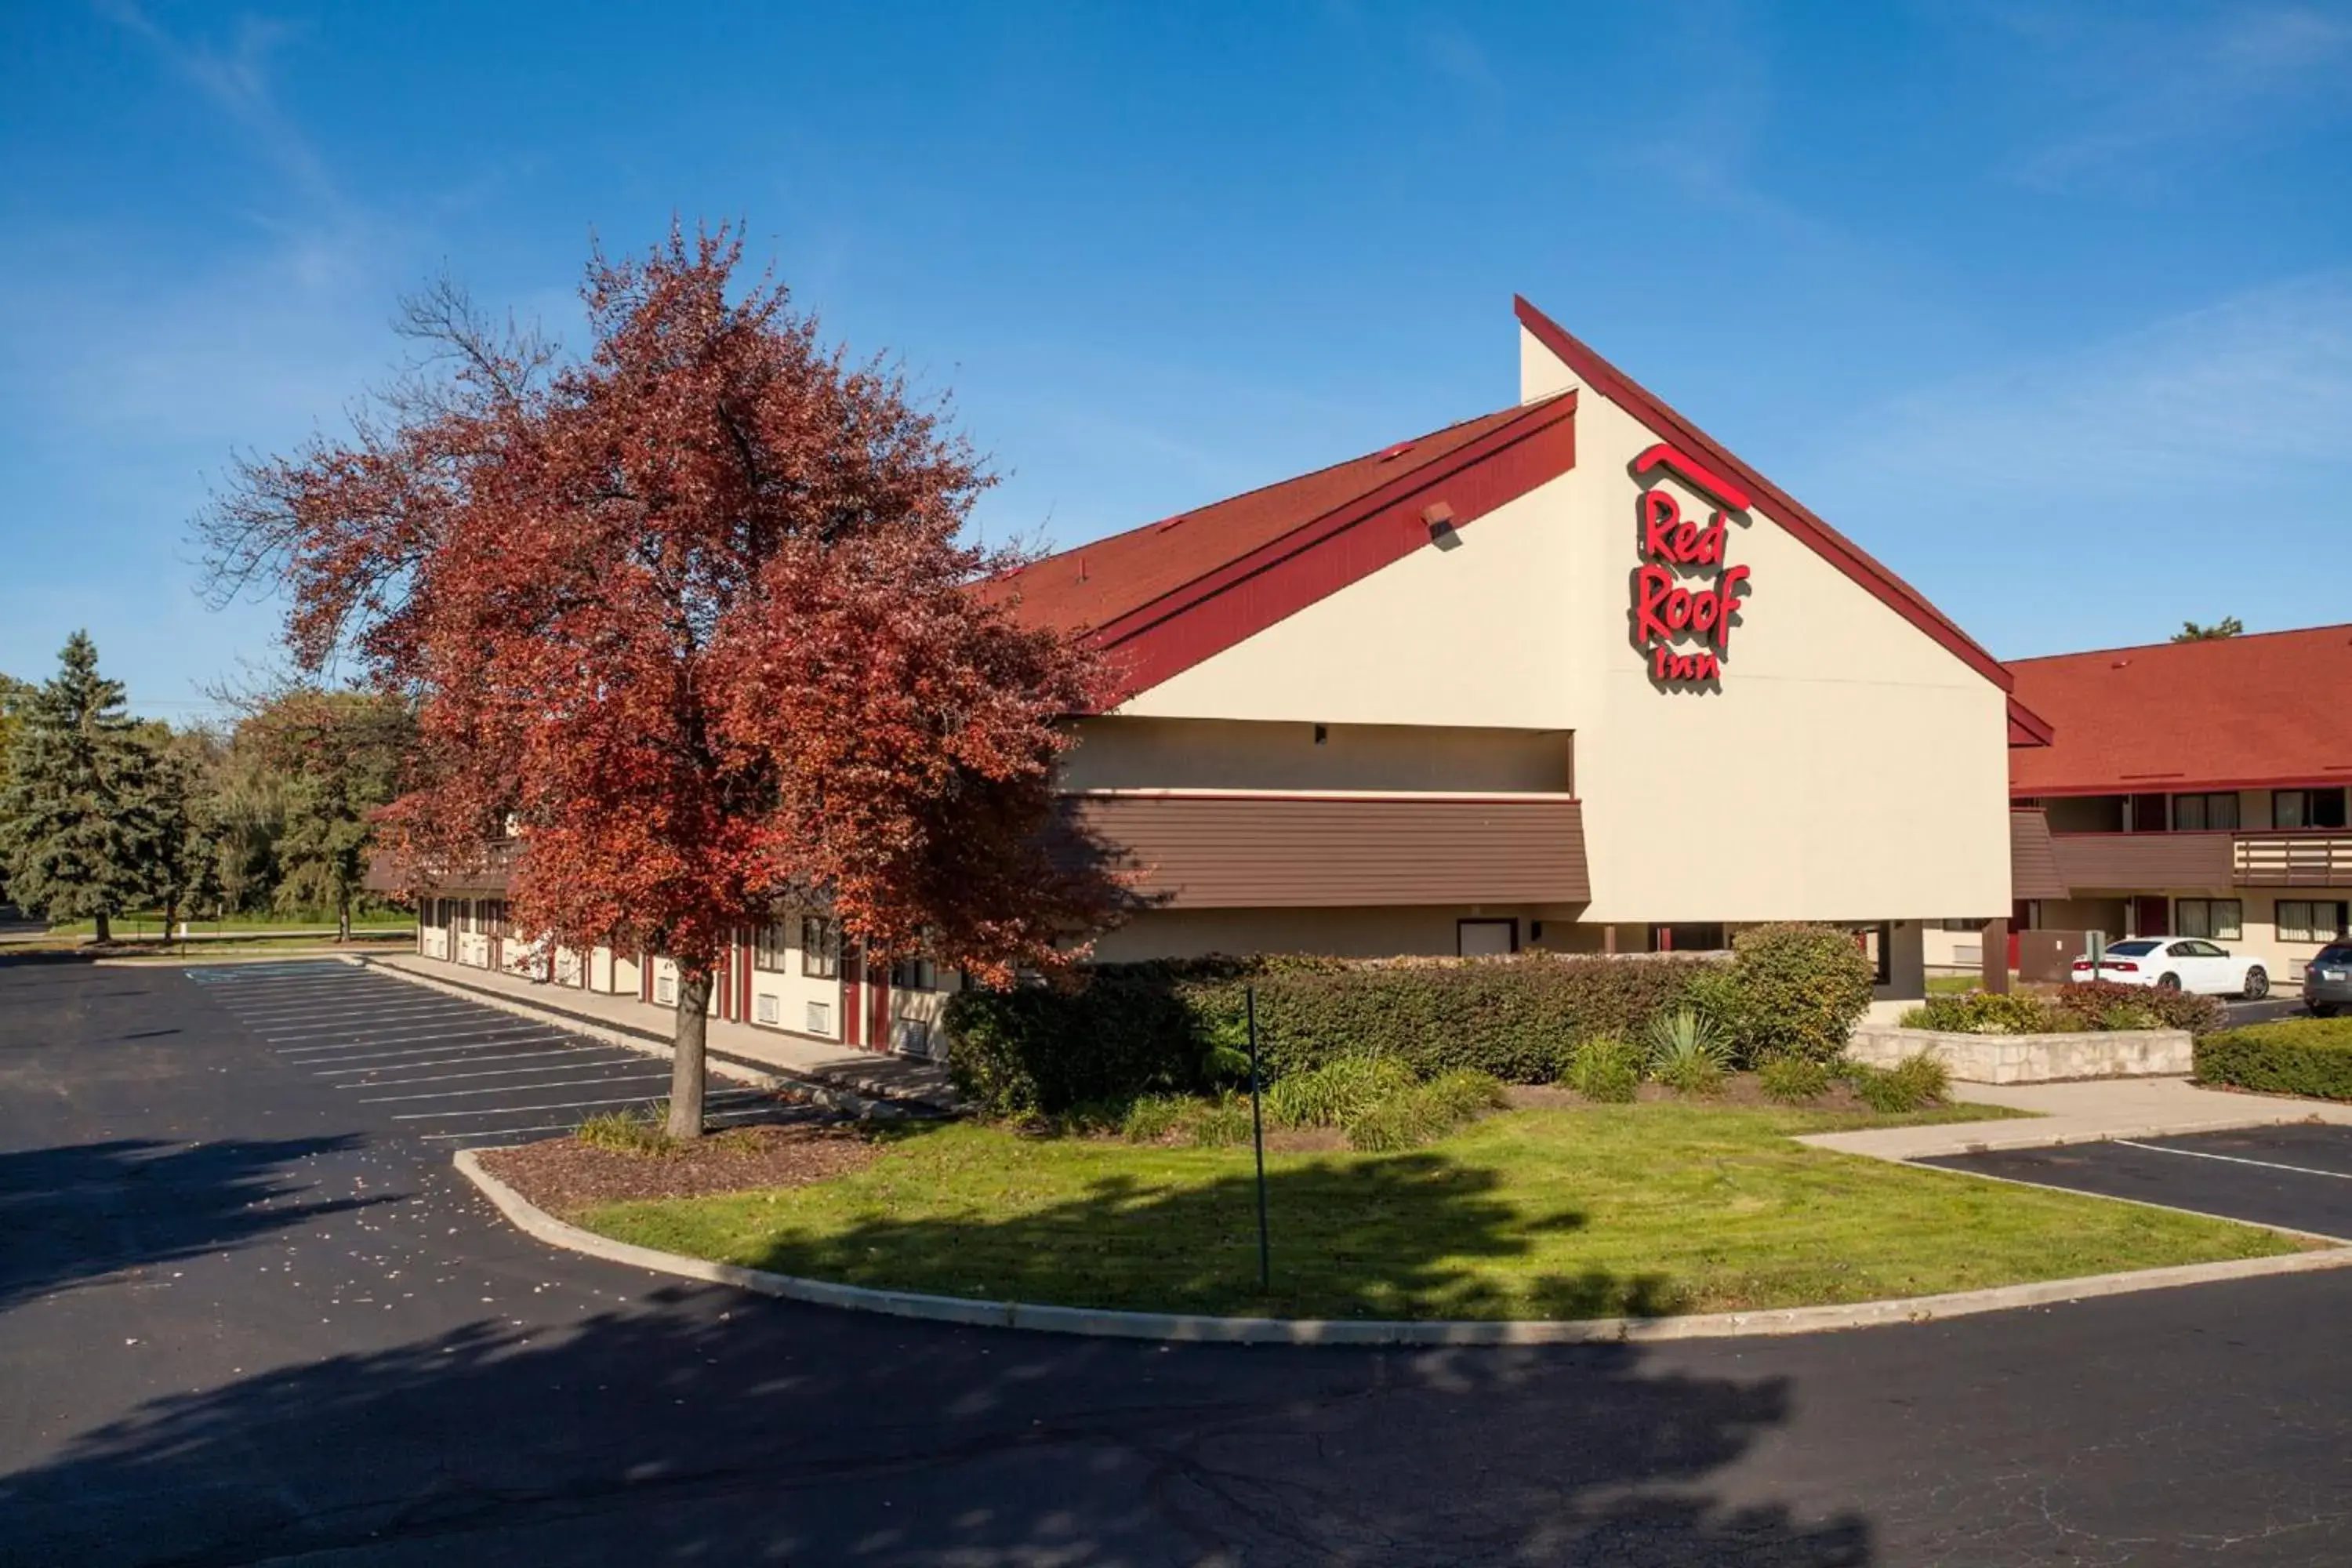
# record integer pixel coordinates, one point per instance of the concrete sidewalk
(907, 1081)
(2081, 1113)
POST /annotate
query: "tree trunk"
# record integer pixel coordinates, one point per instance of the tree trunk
(104, 924)
(687, 1077)
(343, 918)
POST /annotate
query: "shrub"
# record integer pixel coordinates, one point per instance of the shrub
(1425, 1112)
(1717, 996)
(1219, 1122)
(2294, 1056)
(1985, 1012)
(1794, 1080)
(2086, 1005)
(1687, 1052)
(1605, 1067)
(1910, 1084)
(1927, 1076)
(1170, 1028)
(1153, 1117)
(1802, 989)
(629, 1132)
(1333, 1094)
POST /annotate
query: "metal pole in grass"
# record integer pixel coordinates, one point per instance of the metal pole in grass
(1257, 1137)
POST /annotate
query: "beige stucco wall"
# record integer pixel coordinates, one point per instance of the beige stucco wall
(1126, 752)
(1849, 767)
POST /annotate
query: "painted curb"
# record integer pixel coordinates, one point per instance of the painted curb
(1192, 1328)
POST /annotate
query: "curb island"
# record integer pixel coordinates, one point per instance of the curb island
(1198, 1328)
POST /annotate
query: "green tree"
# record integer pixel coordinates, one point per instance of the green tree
(339, 754)
(2227, 627)
(181, 872)
(78, 831)
(245, 818)
(14, 697)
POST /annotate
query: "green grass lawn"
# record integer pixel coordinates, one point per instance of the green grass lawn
(1581, 1213)
(1952, 984)
(149, 924)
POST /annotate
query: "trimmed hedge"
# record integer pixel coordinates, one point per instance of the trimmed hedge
(1141, 1028)
(2294, 1056)
(2072, 1009)
(1799, 991)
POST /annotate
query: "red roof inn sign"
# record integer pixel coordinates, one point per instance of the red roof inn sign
(1684, 589)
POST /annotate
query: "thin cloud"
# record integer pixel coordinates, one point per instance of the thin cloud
(2157, 91)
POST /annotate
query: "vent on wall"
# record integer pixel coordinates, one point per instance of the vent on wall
(820, 1017)
(665, 990)
(766, 1010)
(911, 1037)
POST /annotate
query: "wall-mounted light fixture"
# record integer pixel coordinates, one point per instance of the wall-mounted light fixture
(1322, 733)
(1438, 518)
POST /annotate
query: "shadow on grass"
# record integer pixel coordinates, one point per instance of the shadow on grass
(1417, 1235)
(699, 1426)
(75, 1212)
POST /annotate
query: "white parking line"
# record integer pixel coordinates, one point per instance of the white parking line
(607, 1079)
(607, 1066)
(567, 1105)
(310, 1018)
(2232, 1159)
(287, 997)
(332, 1023)
(411, 1037)
(463, 1061)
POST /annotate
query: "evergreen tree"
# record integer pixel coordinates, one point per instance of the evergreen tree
(182, 871)
(14, 696)
(78, 831)
(340, 754)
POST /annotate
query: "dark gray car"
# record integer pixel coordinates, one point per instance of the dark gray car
(2328, 980)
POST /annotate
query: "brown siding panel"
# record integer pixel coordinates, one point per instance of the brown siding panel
(2128, 862)
(1260, 851)
(2032, 862)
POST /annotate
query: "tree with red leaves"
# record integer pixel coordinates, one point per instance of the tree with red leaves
(690, 619)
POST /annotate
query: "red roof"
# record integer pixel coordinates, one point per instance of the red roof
(1096, 584)
(2228, 713)
(1165, 596)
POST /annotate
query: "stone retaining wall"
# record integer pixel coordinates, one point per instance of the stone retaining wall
(2031, 1059)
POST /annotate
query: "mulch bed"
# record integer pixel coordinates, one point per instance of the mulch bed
(1739, 1091)
(565, 1177)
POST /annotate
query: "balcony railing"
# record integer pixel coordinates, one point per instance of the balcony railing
(2283, 860)
(2245, 857)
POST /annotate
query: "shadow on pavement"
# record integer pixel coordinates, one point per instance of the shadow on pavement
(1415, 1235)
(81, 1211)
(710, 1427)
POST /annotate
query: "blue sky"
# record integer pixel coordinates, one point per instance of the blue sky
(2050, 308)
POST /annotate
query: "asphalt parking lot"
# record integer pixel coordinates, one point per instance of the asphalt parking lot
(2299, 1176)
(450, 1072)
(246, 1318)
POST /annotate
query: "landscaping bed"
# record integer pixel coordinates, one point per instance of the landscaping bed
(563, 1175)
(1652, 1207)
(2309, 1057)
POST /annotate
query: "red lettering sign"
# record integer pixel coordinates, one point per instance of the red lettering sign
(1665, 607)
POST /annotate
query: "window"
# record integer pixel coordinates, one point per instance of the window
(915, 974)
(768, 949)
(2219, 918)
(2307, 808)
(820, 948)
(2203, 813)
(1964, 925)
(2310, 920)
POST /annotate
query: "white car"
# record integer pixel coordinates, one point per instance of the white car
(2178, 963)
